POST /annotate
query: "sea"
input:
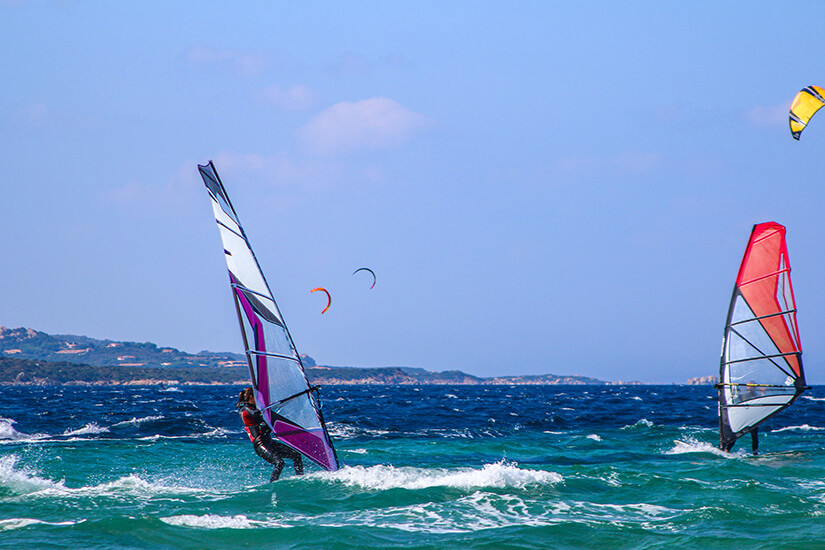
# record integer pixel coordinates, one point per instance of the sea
(492, 467)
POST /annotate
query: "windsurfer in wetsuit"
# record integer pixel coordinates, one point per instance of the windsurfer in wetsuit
(270, 450)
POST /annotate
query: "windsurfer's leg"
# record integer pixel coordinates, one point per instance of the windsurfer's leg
(298, 465)
(276, 471)
(263, 451)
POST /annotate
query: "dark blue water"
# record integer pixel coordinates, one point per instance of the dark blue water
(424, 467)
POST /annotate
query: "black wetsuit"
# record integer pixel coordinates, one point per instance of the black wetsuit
(267, 448)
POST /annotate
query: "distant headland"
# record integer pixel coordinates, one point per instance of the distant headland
(31, 357)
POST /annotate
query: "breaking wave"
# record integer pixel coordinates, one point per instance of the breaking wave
(214, 521)
(90, 428)
(811, 398)
(24, 482)
(500, 474)
(802, 428)
(18, 523)
(138, 421)
(694, 446)
(641, 423)
(8, 433)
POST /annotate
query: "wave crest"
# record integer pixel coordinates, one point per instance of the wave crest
(18, 523)
(8, 433)
(500, 474)
(214, 521)
(90, 428)
(691, 445)
(20, 480)
(802, 428)
(137, 421)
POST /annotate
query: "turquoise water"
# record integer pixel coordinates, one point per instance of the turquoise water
(428, 467)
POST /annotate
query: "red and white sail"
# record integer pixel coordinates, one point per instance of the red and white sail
(761, 366)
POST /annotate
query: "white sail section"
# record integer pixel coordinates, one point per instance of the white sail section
(282, 392)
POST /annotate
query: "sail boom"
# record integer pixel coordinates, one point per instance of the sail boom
(291, 397)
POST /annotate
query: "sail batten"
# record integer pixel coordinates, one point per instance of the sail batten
(245, 289)
(282, 392)
(761, 365)
(763, 317)
(752, 281)
(267, 354)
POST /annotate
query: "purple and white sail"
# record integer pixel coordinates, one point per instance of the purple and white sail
(289, 403)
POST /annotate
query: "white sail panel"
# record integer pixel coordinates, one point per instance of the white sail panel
(239, 257)
(754, 410)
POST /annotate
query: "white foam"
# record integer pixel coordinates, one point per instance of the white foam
(641, 423)
(356, 451)
(213, 521)
(477, 511)
(451, 396)
(90, 428)
(8, 433)
(813, 398)
(136, 421)
(382, 477)
(483, 510)
(6, 429)
(802, 428)
(694, 446)
(220, 432)
(623, 512)
(343, 431)
(18, 523)
(25, 484)
(20, 480)
(594, 437)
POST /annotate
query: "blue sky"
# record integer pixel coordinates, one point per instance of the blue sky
(540, 187)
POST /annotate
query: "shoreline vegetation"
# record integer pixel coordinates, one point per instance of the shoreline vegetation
(27, 372)
(31, 357)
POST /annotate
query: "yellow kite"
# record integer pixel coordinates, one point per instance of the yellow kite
(805, 105)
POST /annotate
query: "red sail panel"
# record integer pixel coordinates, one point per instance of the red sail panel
(764, 279)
